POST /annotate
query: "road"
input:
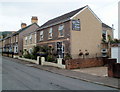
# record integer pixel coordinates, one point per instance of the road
(16, 76)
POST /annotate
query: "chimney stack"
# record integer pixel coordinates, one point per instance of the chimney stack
(23, 25)
(34, 19)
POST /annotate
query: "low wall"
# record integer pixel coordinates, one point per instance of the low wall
(113, 68)
(12, 55)
(29, 60)
(58, 64)
(53, 64)
(84, 63)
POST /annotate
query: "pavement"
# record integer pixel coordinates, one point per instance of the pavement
(101, 80)
(97, 71)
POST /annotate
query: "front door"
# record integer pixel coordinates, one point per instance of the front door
(60, 49)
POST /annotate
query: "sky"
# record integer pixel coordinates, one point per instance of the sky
(15, 12)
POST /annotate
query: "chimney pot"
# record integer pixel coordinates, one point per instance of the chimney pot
(34, 19)
(23, 25)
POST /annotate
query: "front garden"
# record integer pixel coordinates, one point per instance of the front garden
(49, 53)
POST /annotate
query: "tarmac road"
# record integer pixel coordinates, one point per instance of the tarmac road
(16, 76)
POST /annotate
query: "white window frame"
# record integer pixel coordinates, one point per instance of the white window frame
(50, 34)
(16, 38)
(41, 35)
(30, 39)
(105, 32)
(35, 37)
(61, 28)
(26, 40)
(11, 40)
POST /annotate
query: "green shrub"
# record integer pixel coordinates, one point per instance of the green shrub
(50, 59)
(27, 56)
(67, 56)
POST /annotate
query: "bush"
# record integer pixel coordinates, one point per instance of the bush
(50, 59)
(27, 56)
(34, 52)
(33, 57)
(67, 57)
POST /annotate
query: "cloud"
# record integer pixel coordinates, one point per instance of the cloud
(17, 11)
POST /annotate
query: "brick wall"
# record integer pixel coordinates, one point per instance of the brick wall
(113, 68)
(84, 63)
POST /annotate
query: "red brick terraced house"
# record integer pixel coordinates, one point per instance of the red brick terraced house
(14, 42)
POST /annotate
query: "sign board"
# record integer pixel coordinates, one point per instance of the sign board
(76, 25)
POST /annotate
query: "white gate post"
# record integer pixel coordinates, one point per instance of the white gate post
(59, 61)
(42, 60)
(38, 60)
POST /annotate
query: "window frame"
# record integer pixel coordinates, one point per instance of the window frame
(61, 30)
(50, 33)
(41, 39)
(104, 32)
(30, 39)
(26, 40)
(16, 38)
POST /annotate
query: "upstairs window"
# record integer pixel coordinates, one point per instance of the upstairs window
(11, 40)
(104, 35)
(61, 30)
(50, 34)
(26, 40)
(41, 35)
(30, 38)
(16, 39)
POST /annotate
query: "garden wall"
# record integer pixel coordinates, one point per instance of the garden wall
(84, 63)
(113, 68)
(29, 60)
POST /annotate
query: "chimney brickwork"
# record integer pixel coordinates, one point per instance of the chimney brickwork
(34, 19)
(23, 25)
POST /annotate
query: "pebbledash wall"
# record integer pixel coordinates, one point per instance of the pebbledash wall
(89, 37)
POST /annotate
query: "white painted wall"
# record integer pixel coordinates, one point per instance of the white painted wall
(115, 53)
(58, 64)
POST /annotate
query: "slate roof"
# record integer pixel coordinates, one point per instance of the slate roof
(21, 30)
(106, 26)
(66, 16)
(26, 27)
